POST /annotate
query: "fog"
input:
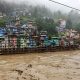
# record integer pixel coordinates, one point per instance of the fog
(51, 5)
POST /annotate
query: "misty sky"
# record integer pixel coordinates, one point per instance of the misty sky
(53, 6)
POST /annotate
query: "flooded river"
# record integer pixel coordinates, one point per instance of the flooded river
(41, 66)
(30, 56)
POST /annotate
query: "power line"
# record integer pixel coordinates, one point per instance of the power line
(64, 5)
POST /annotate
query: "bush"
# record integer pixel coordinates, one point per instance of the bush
(2, 22)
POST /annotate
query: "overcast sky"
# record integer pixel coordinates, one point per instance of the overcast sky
(51, 5)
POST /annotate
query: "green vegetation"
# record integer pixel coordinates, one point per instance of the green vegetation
(2, 22)
(78, 27)
(47, 25)
(45, 18)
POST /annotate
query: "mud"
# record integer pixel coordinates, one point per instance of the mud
(41, 66)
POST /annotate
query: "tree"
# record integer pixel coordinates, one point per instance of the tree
(46, 24)
(78, 27)
(40, 11)
(5, 7)
(2, 22)
(74, 17)
(59, 15)
(69, 24)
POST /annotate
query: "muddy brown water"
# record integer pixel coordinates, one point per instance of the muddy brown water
(30, 56)
(7, 62)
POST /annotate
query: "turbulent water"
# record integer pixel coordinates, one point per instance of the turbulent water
(41, 66)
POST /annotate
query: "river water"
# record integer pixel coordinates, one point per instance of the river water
(56, 65)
